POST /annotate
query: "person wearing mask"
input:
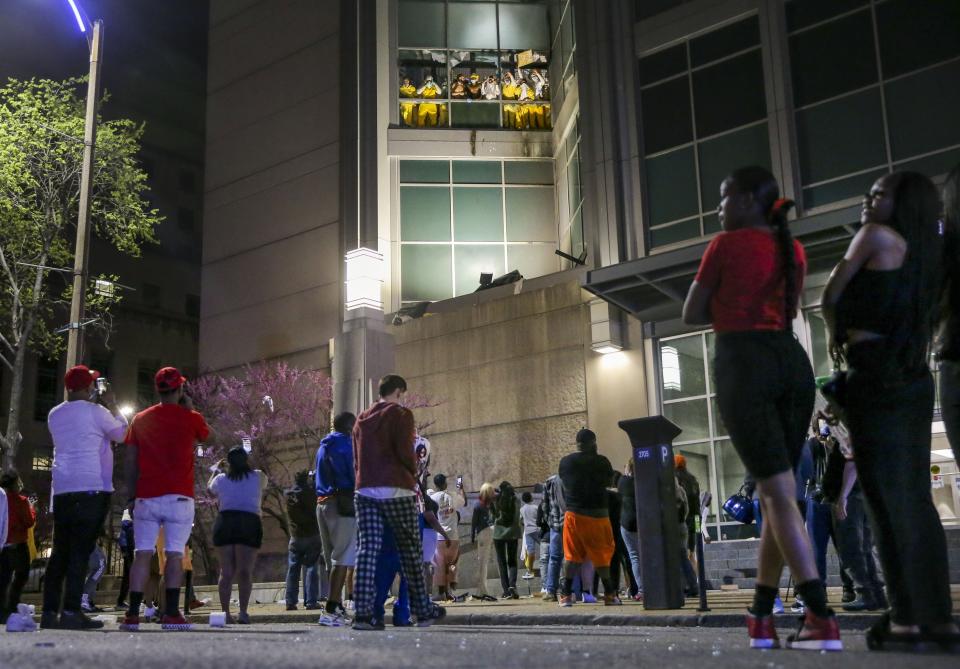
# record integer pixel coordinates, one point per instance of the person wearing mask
(161, 447)
(336, 517)
(481, 534)
(238, 529)
(748, 288)
(305, 546)
(948, 344)
(125, 544)
(448, 552)
(587, 534)
(386, 477)
(15, 556)
(506, 537)
(628, 526)
(82, 481)
(555, 508)
(531, 533)
(882, 306)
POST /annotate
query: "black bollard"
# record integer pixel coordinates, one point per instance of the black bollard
(701, 570)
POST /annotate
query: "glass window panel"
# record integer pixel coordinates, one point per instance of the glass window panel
(914, 34)
(474, 260)
(842, 189)
(841, 136)
(424, 214)
(681, 367)
(721, 155)
(729, 94)
(833, 58)
(476, 172)
(923, 109)
(719, 429)
(711, 223)
(663, 64)
(528, 172)
(532, 260)
(698, 464)
(691, 417)
(472, 25)
(424, 171)
(725, 41)
(666, 115)
(822, 365)
(574, 187)
(730, 469)
(475, 114)
(478, 214)
(576, 233)
(932, 166)
(648, 8)
(420, 24)
(530, 215)
(672, 186)
(523, 26)
(567, 36)
(464, 65)
(425, 272)
(676, 232)
(802, 13)
(418, 66)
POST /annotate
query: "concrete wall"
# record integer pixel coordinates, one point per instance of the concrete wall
(271, 263)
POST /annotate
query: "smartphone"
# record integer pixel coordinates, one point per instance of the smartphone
(101, 385)
(459, 481)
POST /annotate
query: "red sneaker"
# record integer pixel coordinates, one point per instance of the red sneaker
(763, 633)
(817, 633)
(175, 623)
(130, 623)
(566, 601)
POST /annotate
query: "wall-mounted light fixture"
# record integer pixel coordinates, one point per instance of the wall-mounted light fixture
(364, 279)
(606, 328)
(670, 364)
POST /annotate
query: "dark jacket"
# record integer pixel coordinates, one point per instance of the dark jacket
(334, 465)
(506, 515)
(383, 447)
(125, 537)
(482, 519)
(691, 487)
(628, 503)
(585, 476)
(302, 509)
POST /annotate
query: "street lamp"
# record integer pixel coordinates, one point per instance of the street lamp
(94, 34)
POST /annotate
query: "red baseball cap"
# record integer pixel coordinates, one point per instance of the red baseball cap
(79, 378)
(168, 378)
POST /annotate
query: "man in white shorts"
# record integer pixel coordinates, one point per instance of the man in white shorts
(159, 473)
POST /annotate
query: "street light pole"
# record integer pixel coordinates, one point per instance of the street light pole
(82, 249)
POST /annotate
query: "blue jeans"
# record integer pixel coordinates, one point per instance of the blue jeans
(552, 583)
(820, 528)
(303, 557)
(632, 541)
(388, 566)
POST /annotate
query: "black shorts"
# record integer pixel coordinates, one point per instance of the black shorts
(238, 527)
(765, 391)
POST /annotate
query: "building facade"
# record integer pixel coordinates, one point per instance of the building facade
(377, 170)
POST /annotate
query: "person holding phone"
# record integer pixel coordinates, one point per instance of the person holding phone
(448, 551)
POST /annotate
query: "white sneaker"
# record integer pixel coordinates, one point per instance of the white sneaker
(778, 605)
(333, 620)
(527, 576)
(348, 604)
(21, 621)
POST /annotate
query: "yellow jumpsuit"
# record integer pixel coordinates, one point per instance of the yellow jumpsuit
(408, 110)
(510, 112)
(528, 113)
(427, 114)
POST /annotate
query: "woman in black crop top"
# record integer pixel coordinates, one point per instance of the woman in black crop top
(881, 308)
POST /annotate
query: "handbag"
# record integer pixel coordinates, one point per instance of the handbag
(739, 507)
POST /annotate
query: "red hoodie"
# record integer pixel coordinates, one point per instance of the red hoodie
(383, 447)
(22, 517)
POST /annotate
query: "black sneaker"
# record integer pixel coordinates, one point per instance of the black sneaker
(436, 614)
(848, 596)
(49, 620)
(366, 624)
(77, 620)
(291, 607)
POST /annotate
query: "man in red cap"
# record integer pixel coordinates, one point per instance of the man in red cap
(82, 429)
(159, 474)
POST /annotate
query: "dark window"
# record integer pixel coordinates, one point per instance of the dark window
(663, 64)
(672, 183)
(185, 219)
(188, 182)
(146, 392)
(721, 155)
(803, 13)
(147, 166)
(477, 172)
(666, 115)
(834, 58)
(915, 34)
(923, 111)
(421, 24)
(102, 361)
(192, 306)
(475, 114)
(725, 41)
(648, 8)
(729, 94)
(425, 171)
(48, 391)
(840, 189)
(151, 295)
(675, 233)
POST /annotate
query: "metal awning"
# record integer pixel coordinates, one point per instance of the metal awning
(653, 288)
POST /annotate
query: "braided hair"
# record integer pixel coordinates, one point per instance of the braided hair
(759, 182)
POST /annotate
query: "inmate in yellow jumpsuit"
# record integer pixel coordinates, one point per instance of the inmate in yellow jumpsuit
(408, 110)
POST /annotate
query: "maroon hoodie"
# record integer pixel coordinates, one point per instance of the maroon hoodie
(383, 452)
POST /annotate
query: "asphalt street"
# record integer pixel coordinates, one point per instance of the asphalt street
(299, 646)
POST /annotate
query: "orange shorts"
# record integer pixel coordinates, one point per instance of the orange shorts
(587, 538)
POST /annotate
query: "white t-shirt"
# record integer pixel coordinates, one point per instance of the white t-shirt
(243, 495)
(82, 458)
(447, 515)
(529, 514)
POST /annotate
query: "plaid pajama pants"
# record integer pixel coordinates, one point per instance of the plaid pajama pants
(400, 514)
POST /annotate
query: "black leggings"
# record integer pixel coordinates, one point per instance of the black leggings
(14, 572)
(889, 417)
(507, 562)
